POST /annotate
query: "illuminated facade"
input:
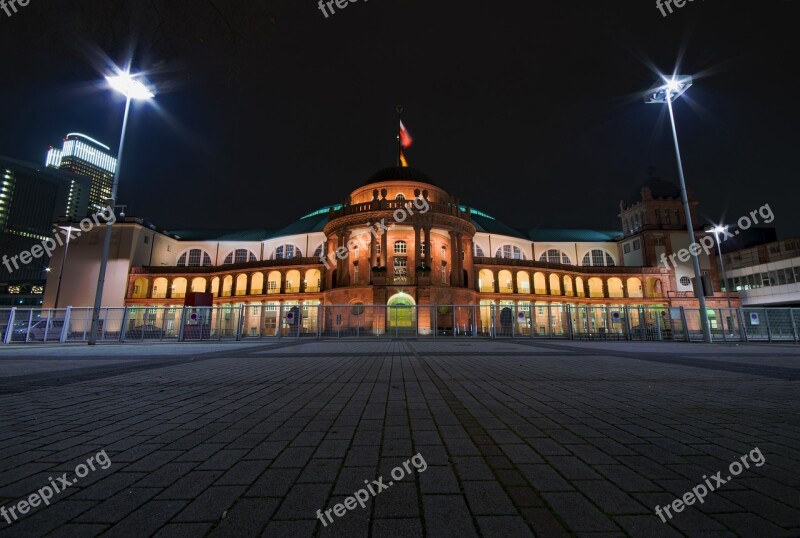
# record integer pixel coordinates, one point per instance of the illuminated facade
(83, 155)
(449, 254)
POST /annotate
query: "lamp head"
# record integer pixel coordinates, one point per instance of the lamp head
(129, 86)
(672, 88)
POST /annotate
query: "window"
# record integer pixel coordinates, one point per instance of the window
(626, 248)
(400, 198)
(598, 258)
(658, 216)
(555, 256)
(377, 247)
(444, 252)
(637, 244)
(666, 217)
(422, 250)
(146, 240)
(400, 268)
(677, 217)
(399, 247)
(240, 255)
(286, 252)
(318, 251)
(685, 281)
(509, 252)
(194, 258)
(658, 241)
(478, 251)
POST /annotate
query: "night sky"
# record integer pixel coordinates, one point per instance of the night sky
(530, 111)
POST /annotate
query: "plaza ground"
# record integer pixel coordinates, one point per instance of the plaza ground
(520, 438)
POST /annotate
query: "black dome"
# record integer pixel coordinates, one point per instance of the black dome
(399, 173)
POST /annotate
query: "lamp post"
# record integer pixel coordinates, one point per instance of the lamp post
(132, 89)
(69, 230)
(718, 230)
(667, 93)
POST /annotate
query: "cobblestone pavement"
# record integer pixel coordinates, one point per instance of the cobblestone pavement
(518, 438)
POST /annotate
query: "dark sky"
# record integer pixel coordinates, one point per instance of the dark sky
(531, 111)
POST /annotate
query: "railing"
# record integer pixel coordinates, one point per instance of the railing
(391, 205)
(223, 269)
(139, 323)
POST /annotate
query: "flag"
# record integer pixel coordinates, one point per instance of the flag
(403, 161)
(405, 136)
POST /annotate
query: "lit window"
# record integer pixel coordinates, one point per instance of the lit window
(241, 255)
(194, 258)
(555, 256)
(400, 247)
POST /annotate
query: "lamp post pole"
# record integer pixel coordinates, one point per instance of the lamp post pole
(98, 298)
(126, 84)
(667, 93)
(717, 231)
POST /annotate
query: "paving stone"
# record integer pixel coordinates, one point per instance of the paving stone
(447, 516)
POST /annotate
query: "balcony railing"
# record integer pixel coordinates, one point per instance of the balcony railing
(442, 208)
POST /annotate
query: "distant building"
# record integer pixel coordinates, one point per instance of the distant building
(767, 274)
(86, 156)
(31, 198)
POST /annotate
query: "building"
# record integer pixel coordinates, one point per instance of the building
(432, 250)
(85, 156)
(31, 198)
(767, 274)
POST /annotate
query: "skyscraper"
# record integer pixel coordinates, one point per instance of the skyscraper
(31, 198)
(86, 156)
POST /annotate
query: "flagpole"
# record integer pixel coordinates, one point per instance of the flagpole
(399, 138)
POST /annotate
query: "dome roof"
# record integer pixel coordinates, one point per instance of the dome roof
(400, 173)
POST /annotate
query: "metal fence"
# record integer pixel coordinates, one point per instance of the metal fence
(245, 322)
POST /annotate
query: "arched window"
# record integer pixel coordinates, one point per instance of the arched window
(399, 247)
(555, 256)
(510, 252)
(444, 252)
(598, 258)
(478, 251)
(194, 258)
(318, 252)
(400, 198)
(240, 255)
(286, 252)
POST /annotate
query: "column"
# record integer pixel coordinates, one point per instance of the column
(416, 258)
(150, 288)
(453, 260)
(372, 254)
(605, 288)
(459, 256)
(249, 285)
(339, 261)
(428, 247)
(547, 283)
(385, 251)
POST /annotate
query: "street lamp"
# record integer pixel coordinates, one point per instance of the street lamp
(718, 230)
(132, 89)
(667, 93)
(69, 230)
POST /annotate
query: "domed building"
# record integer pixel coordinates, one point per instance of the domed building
(399, 254)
